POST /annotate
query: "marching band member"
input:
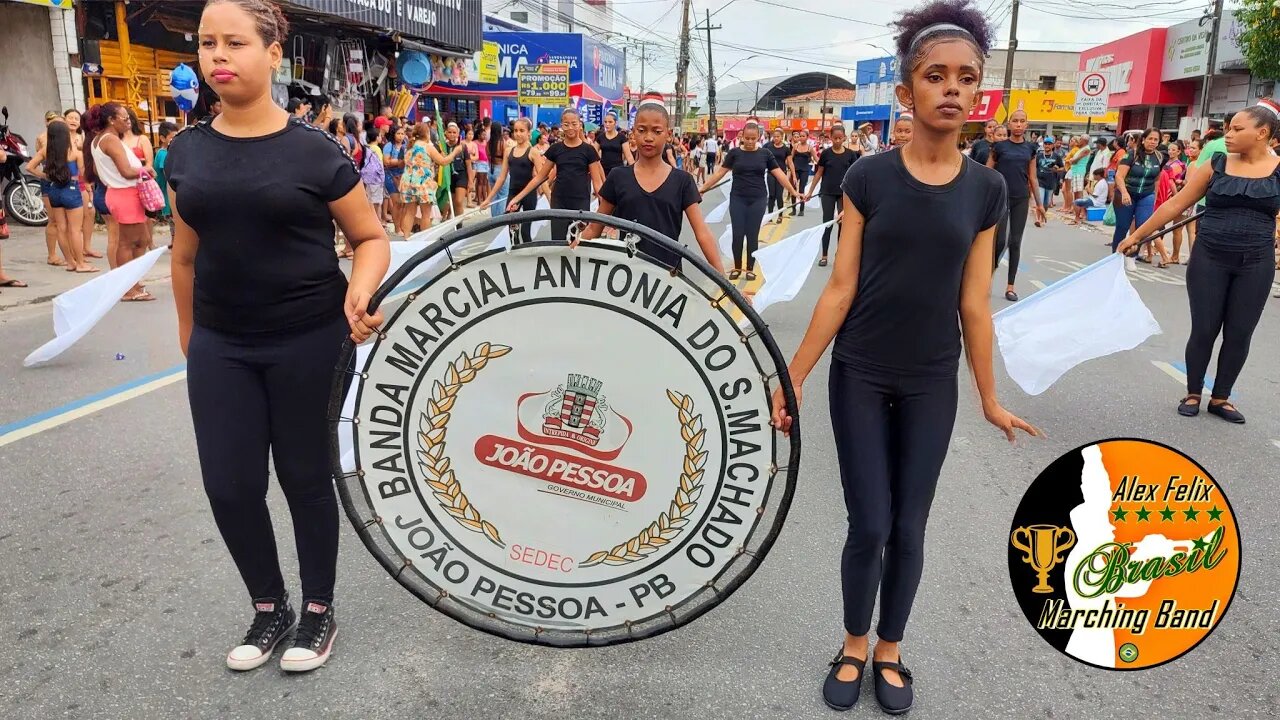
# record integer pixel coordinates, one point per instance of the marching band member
(893, 404)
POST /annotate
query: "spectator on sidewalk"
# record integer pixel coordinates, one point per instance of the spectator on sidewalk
(1048, 165)
(5, 280)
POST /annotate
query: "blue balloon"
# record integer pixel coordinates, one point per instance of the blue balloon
(185, 86)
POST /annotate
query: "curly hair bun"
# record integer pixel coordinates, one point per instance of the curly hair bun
(972, 25)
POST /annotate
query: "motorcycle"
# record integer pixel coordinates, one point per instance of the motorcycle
(21, 191)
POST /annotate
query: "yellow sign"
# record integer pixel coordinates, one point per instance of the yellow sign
(487, 63)
(1051, 106)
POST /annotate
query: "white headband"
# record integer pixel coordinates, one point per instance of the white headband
(1270, 107)
(933, 30)
(651, 101)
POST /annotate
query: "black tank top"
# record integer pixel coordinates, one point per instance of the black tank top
(610, 150)
(802, 161)
(519, 169)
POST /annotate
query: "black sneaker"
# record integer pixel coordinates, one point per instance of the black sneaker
(314, 640)
(271, 624)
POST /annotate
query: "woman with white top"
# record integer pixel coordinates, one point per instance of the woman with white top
(119, 169)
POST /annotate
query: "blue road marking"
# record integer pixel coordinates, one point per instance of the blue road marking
(75, 404)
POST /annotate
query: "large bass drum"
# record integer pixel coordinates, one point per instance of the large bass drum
(564, 446)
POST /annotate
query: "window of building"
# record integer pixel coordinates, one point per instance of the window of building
(1048, 82)
(1167, 117)
(520, 16)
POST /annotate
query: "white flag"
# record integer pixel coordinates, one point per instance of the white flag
(346, 446)
(786, 265)
(76, 311)
(1086, 315)
(718, 212)
(725, 241)
(543, 204)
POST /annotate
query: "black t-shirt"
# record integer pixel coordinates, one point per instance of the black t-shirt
(905, 317)
(780, 154)
(662, 210)
(573, 177)
(1012, 161)
(460, 165)
(749, 169)
(611, 150)
(802, 161)
(834, 167)
(981, 151)
(265, 263)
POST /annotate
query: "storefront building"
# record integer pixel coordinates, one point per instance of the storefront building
(596, 78)
(38, 53)
(1138, 66)
(874, 102)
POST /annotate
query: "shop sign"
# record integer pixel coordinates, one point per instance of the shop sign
(1093, 91)
(604, 68)
(455, 23)
(545, 85)
(1053, 106)
(1186, 51)
(986, 107)
(1229, 56)
(61, 4)
(1134, 65)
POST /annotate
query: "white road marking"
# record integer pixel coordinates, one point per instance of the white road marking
(80, 409)
(1171, 371)
(1037, 284)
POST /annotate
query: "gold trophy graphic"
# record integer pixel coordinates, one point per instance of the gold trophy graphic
(1041, 545)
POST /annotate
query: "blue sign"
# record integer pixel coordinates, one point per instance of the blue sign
(864, 113)
(604, 69)
(875, 79)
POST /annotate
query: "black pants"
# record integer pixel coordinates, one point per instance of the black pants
(776, 199)
(802, 179)
(560, 228)
(892, 434)
(1228, 291)
(1009, 235)
(251, 395)
(830, 204)
(527, 203)
(745, 216)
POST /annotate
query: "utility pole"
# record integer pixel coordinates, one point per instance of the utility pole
(822, 109)
(1008, 63)
(682, 66)
(1213, 60)
(711, 80)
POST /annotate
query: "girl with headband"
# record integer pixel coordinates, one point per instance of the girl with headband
(893, 401)
(652, 193)
(750, 165)
(1232, 268)
(578, 174)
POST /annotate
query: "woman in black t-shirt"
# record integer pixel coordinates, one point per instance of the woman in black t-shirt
(654, 194)
(893, 403)
(750, 165)
(263, 321)
(1015, 159)
(833, 165)
(577, 173)
(800, 164)
(461, 172)
(781, 152)
(612, 143)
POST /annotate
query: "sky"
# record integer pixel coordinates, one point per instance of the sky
(790, 36)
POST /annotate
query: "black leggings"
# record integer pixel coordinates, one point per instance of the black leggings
(745, 217)
(560, 228)
(1009, 235)
(251, 395)
(1228, 291)
(802, 180)
(776, 200)
(892, 434)
(830, 203)
(527, 203)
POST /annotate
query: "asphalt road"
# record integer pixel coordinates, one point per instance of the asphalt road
(118, 600)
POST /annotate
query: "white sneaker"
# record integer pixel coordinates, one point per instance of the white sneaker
(1130, 263)
(271, 624)
(313, 642)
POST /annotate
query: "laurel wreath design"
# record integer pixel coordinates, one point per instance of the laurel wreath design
(431, 436)
(670, 523)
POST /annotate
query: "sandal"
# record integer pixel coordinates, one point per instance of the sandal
(1011, 296)
(1226, 411)
(750, 275)
(822, 262)
(734, 274)
(93, 254)
(1190, 407)
(11, 283)
(843, 694)
(143, 296)
(891, 698)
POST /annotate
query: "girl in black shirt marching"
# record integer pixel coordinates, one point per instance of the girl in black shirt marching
(615, 151)
(800, 164)
(833, 164)
(781, 152)
(654, 194)
(893, 403)
(263, 310)
(1015, 159)
(749, 164)
(578, 174)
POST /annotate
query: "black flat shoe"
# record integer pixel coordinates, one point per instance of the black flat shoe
(1011, 296)
(1189, 407)
(892, 699)
(1227, 412)
(822, 262)
(842, 694)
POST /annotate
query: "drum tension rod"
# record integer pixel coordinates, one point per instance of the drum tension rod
(453, 263)
(361, 375)
(353, 421)
(407, 563)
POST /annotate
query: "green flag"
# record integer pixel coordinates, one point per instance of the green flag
(444, 192)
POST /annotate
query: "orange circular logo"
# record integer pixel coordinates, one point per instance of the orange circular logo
(1124, 554)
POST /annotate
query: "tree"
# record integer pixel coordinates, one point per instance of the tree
(1259, 38)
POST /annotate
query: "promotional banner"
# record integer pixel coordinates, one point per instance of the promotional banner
(1186, 51)
(545, 85)
(603, 70)
(595, 70)
(1052, 106)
